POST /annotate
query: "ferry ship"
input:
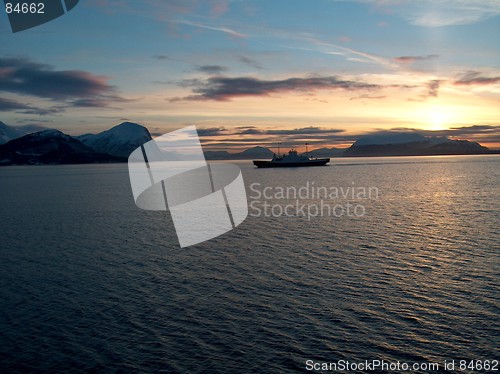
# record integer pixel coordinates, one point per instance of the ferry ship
(292, 159)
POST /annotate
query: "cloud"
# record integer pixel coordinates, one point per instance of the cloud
(252, 135)
(312, 43)
(211, 69)
(250, 61)
(475, 78)
(44, 111)
(311, 130)
(161, 57)
(432, 13)
(162, 82)
(439, 13)
(226, 88)
(192, 82)
(366, 96)
(7, 105)
(412, 59)
(478, 133)
(249, 130)
(211, 131)
(89, 103)
(34, 122)
(473, 133)
(344, 51)
(223, 29)
(218, 131)
(24, 77)
(475, 129)
(433, 88)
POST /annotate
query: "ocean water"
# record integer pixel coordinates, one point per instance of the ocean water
(90, 283)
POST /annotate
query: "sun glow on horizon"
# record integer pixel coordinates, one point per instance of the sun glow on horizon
(438, 117)
(437, 121)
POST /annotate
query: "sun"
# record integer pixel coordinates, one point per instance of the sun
(437, 121)
(438, 118)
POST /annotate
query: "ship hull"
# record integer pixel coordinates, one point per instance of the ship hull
(281, 164)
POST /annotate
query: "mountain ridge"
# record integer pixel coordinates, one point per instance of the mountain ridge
(8, 133)
(50, 146)
(119, 141)
(418, 146)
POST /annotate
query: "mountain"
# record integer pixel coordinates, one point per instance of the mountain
(115, 145)
(54, 147)
(411, 144)
(326, 152)
(255, 152)
(49, 147)
(458, 147)
(119, 141)
(8, 133)
(389, 137)
(217, 155)
(266, 153)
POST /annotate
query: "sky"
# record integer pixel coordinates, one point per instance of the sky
(250, 73)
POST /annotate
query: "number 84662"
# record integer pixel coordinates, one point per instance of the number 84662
(25, 8)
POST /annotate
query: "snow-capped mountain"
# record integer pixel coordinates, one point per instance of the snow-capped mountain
(50, 147)
(46, 141)
(118, 141)
(8, 133)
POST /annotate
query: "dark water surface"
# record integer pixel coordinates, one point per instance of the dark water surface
(88, 282)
